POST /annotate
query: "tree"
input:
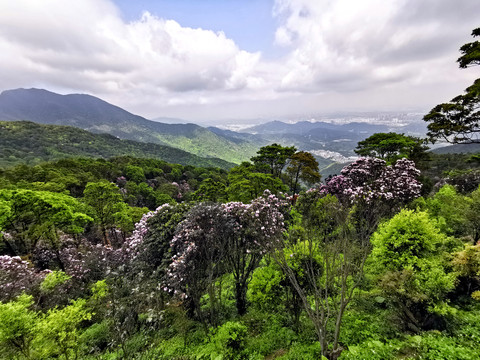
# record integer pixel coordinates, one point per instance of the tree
(246, 183)
(392, 146)
(458, 121)
(272, 158)
(59, 329)
(323, 260)
(302, 166)
(105, 198)
(471, 52)
(211, 190)
(328, 245)
(407, 253)
(214, 239)
(17, 327)
(40, 215)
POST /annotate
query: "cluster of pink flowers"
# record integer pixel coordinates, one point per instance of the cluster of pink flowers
(17, 276)
(370, 179)
(183, 187)
(131, 247)
(217, 229)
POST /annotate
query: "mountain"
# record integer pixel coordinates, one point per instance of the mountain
(458, 149)
(339, 139)
(95, 115)
(30, 143)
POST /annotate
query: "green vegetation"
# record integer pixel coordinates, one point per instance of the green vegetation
(353, 269)
(23, 142)
(393, 146)
(458, 120)
(97, 116)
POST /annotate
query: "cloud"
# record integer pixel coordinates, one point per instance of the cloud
(86, 45)
(336, 53)
(346, 45)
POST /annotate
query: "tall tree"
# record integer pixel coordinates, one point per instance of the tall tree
(105, 198)
(246, 183)
(31, 216)
(458, 121)
(392, 146)
(304, 167)
(272, 158)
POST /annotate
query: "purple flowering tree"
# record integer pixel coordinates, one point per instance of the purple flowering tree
(18, 276)
(337, 220)
(231, 237)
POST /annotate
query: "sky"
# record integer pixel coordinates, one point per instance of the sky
(223, 60)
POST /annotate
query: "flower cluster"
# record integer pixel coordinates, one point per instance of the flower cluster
(214, 232)
(183, 187)
(370, 179)
(82, 260)
(131, 247)
(17, 276)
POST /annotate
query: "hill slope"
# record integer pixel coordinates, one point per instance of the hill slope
(31, 143)
(95, 115)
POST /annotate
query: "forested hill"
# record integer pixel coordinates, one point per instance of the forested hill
(95, 115)
(30, 143)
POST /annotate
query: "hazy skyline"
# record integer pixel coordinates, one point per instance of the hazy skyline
(213, 59)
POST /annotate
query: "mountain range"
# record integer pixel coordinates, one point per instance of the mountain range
(330, 142)
(97, 116)
(24, 142)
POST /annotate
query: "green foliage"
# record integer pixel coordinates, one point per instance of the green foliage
(246, 184)
(457, 120)
(211, 190)
(53, 279)
(272, 158)
(392, 146)
(470, 52)
(450, 210)
(39, 215)
(372, 350)
(58, 330)
(99, 290)
(406, 250)
(405, 240)
(23, 142)
(227, 342)
(302, 166)
(17, 327)
(435, 345)
(134, 173)
(95, 338)
(106, 200)
(303, 351)
(265, 288)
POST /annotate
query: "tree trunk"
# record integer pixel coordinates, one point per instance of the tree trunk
(241, 298)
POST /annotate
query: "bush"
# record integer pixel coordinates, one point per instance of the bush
(372, 350)
(303, 352)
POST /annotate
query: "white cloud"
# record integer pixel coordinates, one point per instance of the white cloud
(367, 54)
(85, 45)
(346, 45)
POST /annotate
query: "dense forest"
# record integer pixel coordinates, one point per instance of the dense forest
(132, 258)
(25, 142)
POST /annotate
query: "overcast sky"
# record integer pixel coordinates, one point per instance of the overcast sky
(204, 60)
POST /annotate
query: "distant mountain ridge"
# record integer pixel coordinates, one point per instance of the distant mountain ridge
(95, 115)
(24, 142)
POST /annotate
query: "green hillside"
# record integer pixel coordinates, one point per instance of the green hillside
(98, 116)
(23, 142)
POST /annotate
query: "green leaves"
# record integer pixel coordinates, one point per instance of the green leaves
(17, 326)
(392, 146)
(458, 121)
(34, 215)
